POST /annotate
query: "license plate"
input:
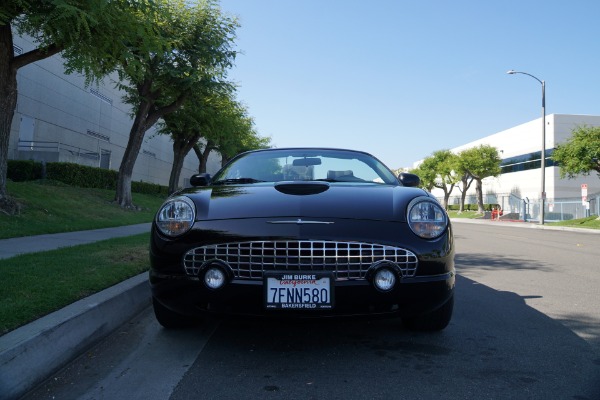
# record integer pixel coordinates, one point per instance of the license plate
(298, 291)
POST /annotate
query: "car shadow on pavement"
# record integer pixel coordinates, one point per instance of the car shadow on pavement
(495, 347)
(487, 262)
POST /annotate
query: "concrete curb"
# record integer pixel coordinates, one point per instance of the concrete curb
(32, 353)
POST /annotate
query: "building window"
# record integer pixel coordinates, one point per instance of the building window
(526, 162)
(101, 96)
(149, 153)
(97, 135)
(17, 50)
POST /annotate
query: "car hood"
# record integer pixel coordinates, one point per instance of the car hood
(301, 200)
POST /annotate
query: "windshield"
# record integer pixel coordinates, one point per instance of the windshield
(305, 165)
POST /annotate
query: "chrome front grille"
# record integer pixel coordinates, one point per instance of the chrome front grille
(347, 260)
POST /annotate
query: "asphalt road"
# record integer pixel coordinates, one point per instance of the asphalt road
(526, 326)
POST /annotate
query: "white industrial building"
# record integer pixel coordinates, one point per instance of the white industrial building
(60, 118)
(519, 184)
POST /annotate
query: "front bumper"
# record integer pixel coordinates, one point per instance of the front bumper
(412, 296)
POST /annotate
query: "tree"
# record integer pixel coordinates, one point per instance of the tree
(88, 34)
(441, 167)
(465, 179)
(232, 133)
(479, 163)
(236, 136)
(580, 154)
(244, 138)
(204, 114)
(185, 132)
(158, 72)
(202, 155)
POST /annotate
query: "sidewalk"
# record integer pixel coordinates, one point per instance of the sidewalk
(32, 353)
(32, 244)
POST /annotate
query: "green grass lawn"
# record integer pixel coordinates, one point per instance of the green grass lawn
(34, 285)
(590, 222)
(51, 207)
(464, 214)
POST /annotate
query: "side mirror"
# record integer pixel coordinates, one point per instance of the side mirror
(410, 180)
(200, 180)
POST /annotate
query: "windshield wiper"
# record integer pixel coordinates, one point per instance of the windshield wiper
(236, 180)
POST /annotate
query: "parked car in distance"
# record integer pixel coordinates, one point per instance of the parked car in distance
(303, 232)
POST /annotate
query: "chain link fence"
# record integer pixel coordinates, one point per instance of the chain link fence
(528, 209)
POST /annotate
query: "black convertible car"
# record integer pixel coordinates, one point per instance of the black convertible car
(303, 232)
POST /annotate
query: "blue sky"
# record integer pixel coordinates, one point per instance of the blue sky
(402, 79)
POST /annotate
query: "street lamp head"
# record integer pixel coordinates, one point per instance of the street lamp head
(512, 71)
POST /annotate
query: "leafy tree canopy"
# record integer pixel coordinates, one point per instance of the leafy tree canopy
(441, 165)
(580, 154)
(203, 113)
(191, 42)
(90, 34)
(242, 134)
(479, 162)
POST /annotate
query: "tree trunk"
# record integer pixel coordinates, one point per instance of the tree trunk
(8, 102)
(145, 117)
(134, 144)
(178, 158)
(224, 160)
(463, 196)
(203, 155)
(181, 148)
(466, 184)
(447, 193)
(204, 160)
(9, 65)
(199, 155)
(479, 193)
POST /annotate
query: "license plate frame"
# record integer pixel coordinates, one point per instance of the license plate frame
(298, 290)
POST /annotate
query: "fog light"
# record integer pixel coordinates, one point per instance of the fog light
(214, 278)
(384, 280)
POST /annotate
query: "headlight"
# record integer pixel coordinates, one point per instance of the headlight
(176, 216)
(426, 218)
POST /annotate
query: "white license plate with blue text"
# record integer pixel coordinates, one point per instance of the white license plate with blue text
(298, 291)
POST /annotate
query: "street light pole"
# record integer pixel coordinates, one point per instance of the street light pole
(543, 165)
